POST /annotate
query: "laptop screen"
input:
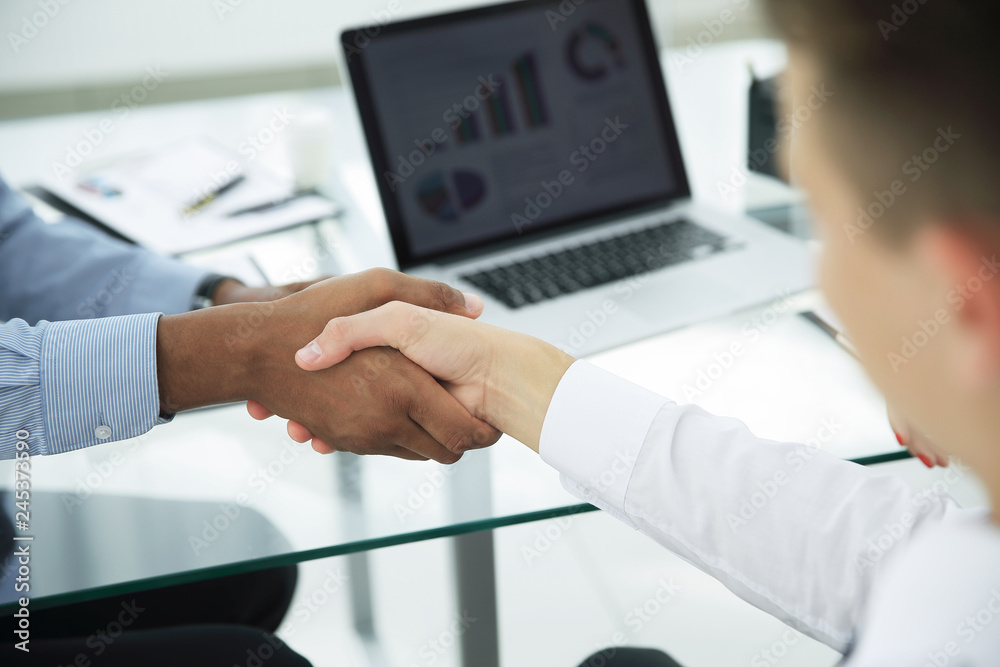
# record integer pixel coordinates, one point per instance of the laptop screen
(501, 122)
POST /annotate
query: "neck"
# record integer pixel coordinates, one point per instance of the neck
(993, 489)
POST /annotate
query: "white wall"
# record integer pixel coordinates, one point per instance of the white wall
(100, 42)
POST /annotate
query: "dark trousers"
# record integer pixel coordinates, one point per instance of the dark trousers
(629, 657)
(217, 623)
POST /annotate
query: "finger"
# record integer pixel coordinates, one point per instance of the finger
(921, 452)
(395, 324)
(926, 451)
(298, 432)
(322, 447)
(932, 451)
(414, 444)
(918, 444)
(445, 419)
(396, 286)
(418, 441)
(900, 430)
(393, 450)
(258, 411)
(404, 453)
(473, 304)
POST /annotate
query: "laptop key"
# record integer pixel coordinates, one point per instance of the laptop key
(597, 263)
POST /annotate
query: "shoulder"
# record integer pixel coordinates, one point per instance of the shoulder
(937, 601)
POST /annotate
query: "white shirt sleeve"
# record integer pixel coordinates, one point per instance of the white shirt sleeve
(793, 530)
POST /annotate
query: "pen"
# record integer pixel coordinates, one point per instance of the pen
(213, 195)
(841, 340)
(267, 206)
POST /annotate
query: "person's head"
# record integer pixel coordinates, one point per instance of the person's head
(901, 165)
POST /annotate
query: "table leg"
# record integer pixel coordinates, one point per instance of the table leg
(358, 570)
(475, 573)
(475, 567)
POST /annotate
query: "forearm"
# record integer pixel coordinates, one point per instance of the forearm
(225, 354)
(787, 527)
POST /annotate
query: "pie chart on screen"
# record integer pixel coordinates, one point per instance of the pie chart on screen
(592, 51)
(446, 195)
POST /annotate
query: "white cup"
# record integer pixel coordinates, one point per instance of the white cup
(310, 139)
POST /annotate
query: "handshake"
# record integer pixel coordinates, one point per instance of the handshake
(372, 363)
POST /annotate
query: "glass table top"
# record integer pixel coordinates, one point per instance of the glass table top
(215, 492)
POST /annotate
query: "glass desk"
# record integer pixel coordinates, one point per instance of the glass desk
(217, 493)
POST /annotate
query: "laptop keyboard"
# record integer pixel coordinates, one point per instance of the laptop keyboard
(597, 263)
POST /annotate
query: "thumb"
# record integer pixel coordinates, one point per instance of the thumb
(395, 324)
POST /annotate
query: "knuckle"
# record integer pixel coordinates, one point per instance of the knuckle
(444, 296)
(395, 409)
(448, 458)
(398, 394)
(458, 442)
(383, 283)
(336, 329)
(417, 411)
(377, 273)
(377, 284)
(396, 309)
(412, 322)
(486, 436)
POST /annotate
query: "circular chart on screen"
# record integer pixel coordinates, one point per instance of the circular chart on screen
(445, 195)
(592, 51)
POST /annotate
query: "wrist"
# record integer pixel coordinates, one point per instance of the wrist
(517, 395)
(226, 291)
(214, 355)
(213, 290)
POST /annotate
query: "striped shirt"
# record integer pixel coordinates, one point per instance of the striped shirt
(90, 378)
(67, 385)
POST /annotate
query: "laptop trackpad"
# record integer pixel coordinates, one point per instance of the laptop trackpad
(658, 299)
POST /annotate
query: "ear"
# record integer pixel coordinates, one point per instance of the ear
(966, 263)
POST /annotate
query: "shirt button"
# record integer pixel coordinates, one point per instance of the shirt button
(102, 432)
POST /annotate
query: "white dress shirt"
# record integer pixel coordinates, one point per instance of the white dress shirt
(846, 555)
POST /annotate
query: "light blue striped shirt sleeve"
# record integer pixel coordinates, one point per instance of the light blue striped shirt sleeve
(74, 384)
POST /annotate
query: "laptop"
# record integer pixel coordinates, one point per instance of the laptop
(526, 151)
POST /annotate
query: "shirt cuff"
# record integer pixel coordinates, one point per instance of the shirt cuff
(593, 431)
(98, 380)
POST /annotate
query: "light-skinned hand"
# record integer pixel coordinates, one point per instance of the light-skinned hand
(919, 444)
(504, 378)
